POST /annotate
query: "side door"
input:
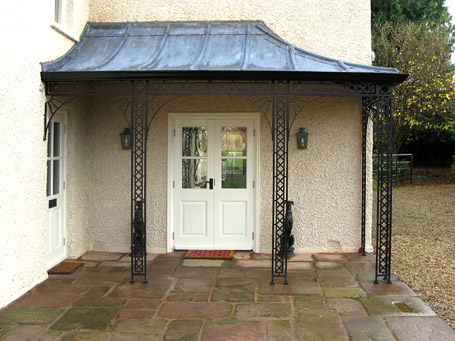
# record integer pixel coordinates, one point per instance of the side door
(55, 192)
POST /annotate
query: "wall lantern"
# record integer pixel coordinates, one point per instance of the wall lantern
(126, 139)
(302, 139)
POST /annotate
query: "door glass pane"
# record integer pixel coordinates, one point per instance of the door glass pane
(57, 128)
(49, 141)
(48, 185)
(56, 177)
(194, 173)
(194, 141)
(233, 173)
(233, 141)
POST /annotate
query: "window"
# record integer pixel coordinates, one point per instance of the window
(63, 18)
(58, 15)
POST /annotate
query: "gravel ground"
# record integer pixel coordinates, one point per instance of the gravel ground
(423, 247)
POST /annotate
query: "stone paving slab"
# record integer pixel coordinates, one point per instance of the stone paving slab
(201, 273)
(48, 300)
(100, 256)
(329, 257)
(232, 294)
(346, 306)
(367, 328)
(86, 318)
(24, 332)
(421, 328)
(154, 326)
(233, 330)
(216, 263)
(301, 257)
(188, 296)
(261, 263)
(154, 289)
(183, 330)
(300, 266)
(278, 330)
(344, 292)
(344, 282)
(388, 306)
(322, 326)
(194, 285)
(21, 315)
(311, 304)
(295, 287)
(255, 311)
(384, 289)
(86, 335)
(174, 310)
(122, 336)
(136, 313)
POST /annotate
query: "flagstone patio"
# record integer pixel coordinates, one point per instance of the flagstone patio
(329, 297)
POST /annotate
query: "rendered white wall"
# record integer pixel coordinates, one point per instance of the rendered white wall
(27, 39)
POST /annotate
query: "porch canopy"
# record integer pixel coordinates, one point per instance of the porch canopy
(149, 64)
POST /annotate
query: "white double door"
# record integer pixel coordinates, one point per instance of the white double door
(55, 192)
(214, 179)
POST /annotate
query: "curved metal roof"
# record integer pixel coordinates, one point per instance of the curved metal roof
(199, 49)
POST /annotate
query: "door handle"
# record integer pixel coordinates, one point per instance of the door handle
(210, 182)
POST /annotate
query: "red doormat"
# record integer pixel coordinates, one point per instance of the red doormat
(209, 254)
(65, 268)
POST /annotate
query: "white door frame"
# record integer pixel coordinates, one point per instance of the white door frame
(62, 116)
(172, 117)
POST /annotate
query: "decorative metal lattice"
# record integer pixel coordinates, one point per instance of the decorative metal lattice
(280, 137)
(384, 134)
(139, 119)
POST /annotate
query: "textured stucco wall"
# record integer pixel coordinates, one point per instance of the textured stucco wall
(77, 179)
(325, 180)
(27, 39)
(334, 28)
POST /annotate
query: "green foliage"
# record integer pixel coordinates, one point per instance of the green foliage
(431, 13)
(425, 102)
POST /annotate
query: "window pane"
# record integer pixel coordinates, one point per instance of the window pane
(58, 11)
(57, 129)
(233, 141)
(56, 177)
(194, 141)
(233, 173)
(48, 185)
(194, 173)
(49, 141)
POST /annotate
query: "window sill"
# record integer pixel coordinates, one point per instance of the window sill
(59, 28)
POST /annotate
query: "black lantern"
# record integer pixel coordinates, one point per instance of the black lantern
(302, 139)
(126, 139)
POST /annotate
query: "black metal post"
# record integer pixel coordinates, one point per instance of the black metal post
(280, 138)
(384, 134)
(139, 119)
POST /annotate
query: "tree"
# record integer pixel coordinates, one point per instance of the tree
(431, 13)
(424, 103)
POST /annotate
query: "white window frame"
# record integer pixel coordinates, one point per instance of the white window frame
(60, 27)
